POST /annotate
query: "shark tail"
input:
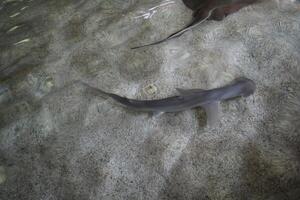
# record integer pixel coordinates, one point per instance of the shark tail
(150, 44)
(96, 91)
(99, 92)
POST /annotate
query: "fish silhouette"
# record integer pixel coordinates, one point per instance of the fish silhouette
(187, 99)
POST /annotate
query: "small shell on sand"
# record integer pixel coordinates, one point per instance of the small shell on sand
(150, 89)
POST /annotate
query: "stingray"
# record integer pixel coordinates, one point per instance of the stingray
(205, 10)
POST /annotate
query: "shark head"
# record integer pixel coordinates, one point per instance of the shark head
(247, 86)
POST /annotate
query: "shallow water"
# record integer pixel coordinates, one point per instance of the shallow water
(60, 141)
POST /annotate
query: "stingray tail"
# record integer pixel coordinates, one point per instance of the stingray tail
(150, 44)
(173, 35)
(195, 21)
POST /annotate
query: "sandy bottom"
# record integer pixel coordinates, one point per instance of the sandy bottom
(58, 140)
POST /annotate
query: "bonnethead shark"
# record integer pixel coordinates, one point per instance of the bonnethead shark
(188, 98)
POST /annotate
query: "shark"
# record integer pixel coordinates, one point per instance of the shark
(205, 10)
(188, 99)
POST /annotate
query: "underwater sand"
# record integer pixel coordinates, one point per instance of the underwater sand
(59, 141)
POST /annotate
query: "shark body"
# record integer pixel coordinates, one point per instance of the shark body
(187, 99)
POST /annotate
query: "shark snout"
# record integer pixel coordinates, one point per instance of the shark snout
(249, 86)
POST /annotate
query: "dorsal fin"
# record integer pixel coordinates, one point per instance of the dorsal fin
(184, 92)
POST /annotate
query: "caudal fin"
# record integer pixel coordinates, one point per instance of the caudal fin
(95, 91)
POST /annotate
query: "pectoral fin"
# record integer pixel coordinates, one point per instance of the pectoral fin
(184, 92)
(212, 113)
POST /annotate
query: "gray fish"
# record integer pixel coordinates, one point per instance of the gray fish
(187, 99)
